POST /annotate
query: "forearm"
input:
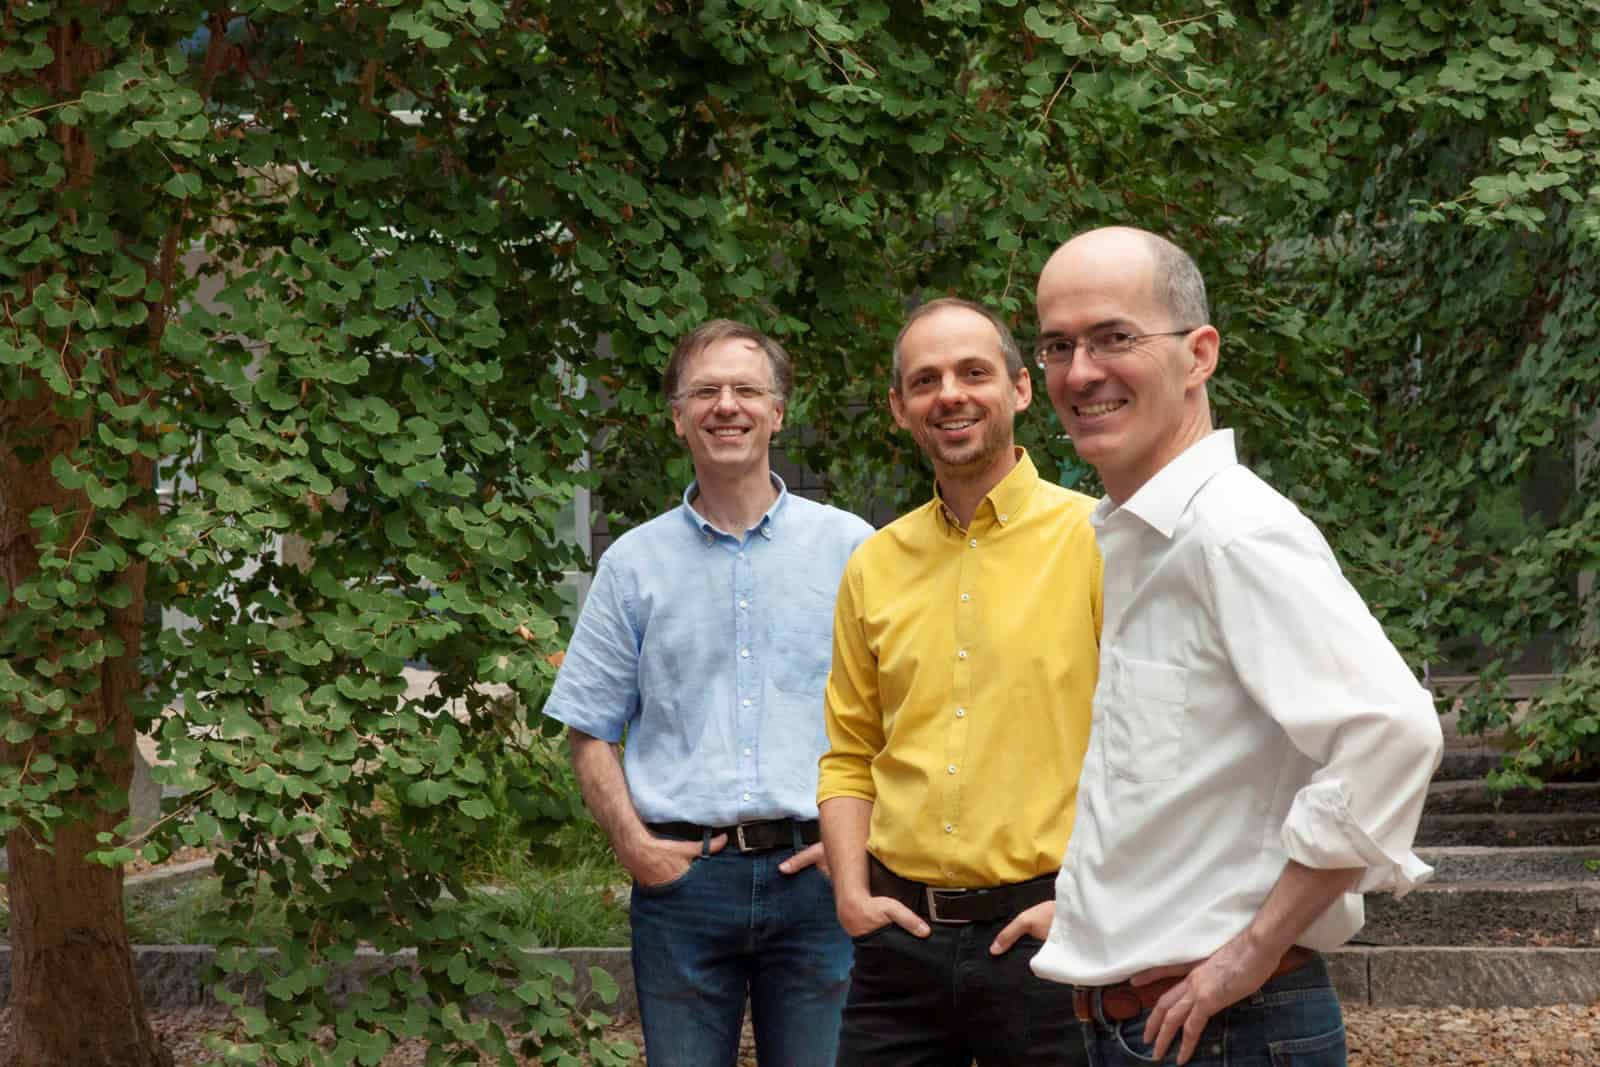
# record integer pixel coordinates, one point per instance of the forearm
(1300, 894)
(845, 824)
(605, 792)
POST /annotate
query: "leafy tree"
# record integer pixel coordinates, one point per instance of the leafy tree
(379, 276)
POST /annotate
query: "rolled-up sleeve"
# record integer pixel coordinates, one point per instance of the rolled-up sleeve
(853, 712)
(597, 688)
(1311, 654)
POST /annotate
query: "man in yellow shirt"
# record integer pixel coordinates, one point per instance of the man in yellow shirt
(966, 639)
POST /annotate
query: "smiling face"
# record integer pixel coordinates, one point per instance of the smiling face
(728, 437)
(955, 396)
(1132, 415)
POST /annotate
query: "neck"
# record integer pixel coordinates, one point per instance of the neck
(1121, 485)
(734, 503)
(963, 489)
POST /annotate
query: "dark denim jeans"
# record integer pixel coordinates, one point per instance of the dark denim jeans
(734, 926)
(944, 1001)
(1293, 1021)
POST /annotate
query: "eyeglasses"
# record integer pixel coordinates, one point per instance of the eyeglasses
(1057, 350)
(743, 392)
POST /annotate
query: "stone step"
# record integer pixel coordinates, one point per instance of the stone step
(1460, 798)
(1486, 828)
(1467, 764)
(1500, 913)
(1477, 863)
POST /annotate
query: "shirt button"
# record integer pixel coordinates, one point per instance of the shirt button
(962, 654)
(741, 555)
(745, 702)
(747, 796)
(973, 542)
(965, 597)
(744, 604)
(1004, 517)
(948, 827)
(951, 769)
(744, 653)
(961, 713)
(747, 752)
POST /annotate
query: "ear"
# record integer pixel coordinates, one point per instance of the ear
(777, 416)
(897, 408)
(679, 422)
(1024, 388)
(1204, 346)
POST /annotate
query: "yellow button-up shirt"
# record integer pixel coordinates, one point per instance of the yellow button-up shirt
(964, 663)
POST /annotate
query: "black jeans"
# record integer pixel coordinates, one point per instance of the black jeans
(943, 1001)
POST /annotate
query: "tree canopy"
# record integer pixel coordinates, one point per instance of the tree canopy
(397, 277)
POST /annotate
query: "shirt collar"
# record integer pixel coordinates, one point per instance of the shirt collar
(1006, 500)
(1161, 501)
(763, 527)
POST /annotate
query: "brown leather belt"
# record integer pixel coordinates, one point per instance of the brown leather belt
(941, 905)
(1125, 1001)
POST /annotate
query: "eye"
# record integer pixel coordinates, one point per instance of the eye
(1114, 340)
(749, 392)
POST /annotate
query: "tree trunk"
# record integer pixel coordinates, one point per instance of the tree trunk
(74, 1000)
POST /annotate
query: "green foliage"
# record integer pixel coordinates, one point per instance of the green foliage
(378, 278)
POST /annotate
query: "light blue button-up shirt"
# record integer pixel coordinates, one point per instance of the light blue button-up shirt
(712, 652)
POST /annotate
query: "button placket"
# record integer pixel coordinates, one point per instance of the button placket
(748, 673)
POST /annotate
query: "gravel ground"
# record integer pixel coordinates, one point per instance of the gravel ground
(1560, 1036)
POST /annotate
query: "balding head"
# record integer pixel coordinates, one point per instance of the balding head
(1173, 279)
(1122, 314)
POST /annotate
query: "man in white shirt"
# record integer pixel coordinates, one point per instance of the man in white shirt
(1259, 752)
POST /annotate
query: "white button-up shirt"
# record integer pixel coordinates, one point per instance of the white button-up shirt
(1249, 711)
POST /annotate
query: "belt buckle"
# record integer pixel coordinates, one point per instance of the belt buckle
(932, 896)
(738, 837)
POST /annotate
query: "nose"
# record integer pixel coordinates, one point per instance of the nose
(950, 391)
(726, 401)
(1083, 372)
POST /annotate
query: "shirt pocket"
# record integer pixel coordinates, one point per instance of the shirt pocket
(1145, 725)
(802, 652)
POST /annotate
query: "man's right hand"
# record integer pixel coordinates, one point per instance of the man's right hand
(866, 914)
(655, 861)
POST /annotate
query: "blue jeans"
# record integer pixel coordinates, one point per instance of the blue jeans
(735, 927)
(944, 1001)
(1292, 1021)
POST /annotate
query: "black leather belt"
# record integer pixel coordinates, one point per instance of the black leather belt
(941, 905)
(762, 836)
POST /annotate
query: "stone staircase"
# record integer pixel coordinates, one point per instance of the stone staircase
(1520, 870)
(1512, 915)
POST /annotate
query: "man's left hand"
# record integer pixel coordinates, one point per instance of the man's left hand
(1232, 973)
(1036, 921)
(806, 857)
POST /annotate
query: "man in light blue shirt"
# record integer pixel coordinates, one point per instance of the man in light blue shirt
(706, 638)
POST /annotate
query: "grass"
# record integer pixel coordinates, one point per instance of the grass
(557, 908)
(569, 895)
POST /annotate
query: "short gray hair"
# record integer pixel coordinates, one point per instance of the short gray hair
(1177, 282)
(1008, 344)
